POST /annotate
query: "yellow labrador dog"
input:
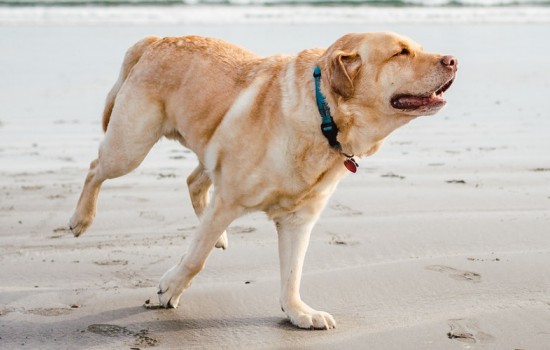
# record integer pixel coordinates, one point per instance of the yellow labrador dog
(272, 134)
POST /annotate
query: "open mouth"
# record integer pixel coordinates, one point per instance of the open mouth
(433, 100)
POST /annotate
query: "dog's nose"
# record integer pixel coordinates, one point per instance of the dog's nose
(449, 62)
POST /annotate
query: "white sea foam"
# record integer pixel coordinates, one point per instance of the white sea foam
(260, 14)
(426, 3)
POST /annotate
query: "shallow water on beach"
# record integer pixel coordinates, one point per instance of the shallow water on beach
(396, 3)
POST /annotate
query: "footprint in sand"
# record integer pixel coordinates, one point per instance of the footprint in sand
(109, 330)
(241, 229)
(345, 210)
(5, 310)
(467, 331)
(134, 199)
(49, 311)
(341, 240)
(112, 330)
(459, 275)
(151, 215)
(111, 262)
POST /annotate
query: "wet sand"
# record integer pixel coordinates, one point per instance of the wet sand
(440, 241)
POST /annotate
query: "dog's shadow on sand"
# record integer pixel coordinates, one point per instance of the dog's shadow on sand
(141, 327)
(183, 324)
(170, 320)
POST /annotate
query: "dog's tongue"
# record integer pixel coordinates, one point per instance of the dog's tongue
(413, 102)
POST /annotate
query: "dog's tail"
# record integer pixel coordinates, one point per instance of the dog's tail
(132, 57)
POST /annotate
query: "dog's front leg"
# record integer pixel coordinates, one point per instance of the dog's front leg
(217, 216)
(294, 231)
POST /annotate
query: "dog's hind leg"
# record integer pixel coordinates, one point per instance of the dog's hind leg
(135, 126)
(199, 184)
(294, 231)
(215, 219)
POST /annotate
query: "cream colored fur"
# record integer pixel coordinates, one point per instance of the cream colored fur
(255, 128)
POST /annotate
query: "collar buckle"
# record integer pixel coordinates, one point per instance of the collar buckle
(330, 131)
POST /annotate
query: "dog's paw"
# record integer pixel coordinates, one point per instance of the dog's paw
(305, 317)
(170, 288)
(223, 242)
(78, 226)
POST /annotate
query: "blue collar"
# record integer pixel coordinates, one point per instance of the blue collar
(328, 127)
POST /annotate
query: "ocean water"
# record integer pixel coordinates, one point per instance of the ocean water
(159, 14)
(384, 3)
(92, 12)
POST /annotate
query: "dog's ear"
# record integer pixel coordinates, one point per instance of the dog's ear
(345, 67)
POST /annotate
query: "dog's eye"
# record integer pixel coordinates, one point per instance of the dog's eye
(405, 52)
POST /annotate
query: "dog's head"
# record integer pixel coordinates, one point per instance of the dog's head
(390, 72)
(385, 80)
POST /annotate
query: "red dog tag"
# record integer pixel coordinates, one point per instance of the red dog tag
(351, 165)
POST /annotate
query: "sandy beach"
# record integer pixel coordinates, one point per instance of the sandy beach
(440, 241)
